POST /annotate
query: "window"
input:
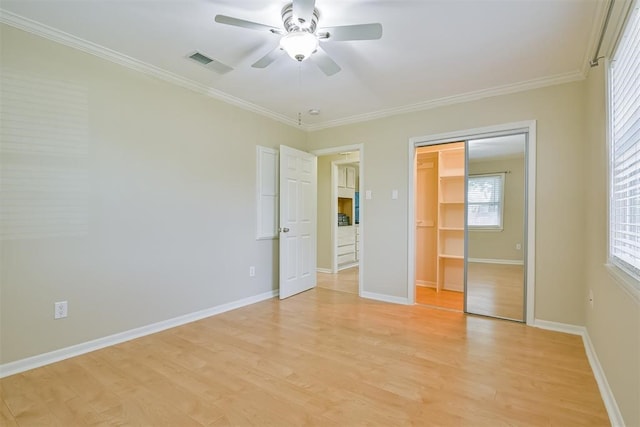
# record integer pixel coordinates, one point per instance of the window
(624, 204)
(485, 201)
(267, 193)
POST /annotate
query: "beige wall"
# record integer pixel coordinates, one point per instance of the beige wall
(614, 321)
(501, 245)
(325, 216)
(164, 219)
(560, 190)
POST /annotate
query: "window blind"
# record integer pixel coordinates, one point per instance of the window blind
(485, 194)
(624, 230)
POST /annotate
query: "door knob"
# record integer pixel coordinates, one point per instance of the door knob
(284, 230)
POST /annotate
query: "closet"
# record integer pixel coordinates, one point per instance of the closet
(472, 223)
(440, 186)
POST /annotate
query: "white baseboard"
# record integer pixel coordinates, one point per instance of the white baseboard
(345, 266)
(559, 327)
(425, 284)
(385, 298)
(496, 261)
(615, 417)
(33, 362)
(324, 270)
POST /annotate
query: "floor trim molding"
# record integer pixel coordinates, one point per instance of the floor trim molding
(350, 265)
(385, 298)
(615, 417)
(426, 284)
(39, 360)
(324, 270)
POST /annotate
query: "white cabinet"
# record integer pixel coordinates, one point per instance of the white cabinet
(342, 176)
(346, 247)
(347, 244)
(351, 177)
(357, 243)
(347, 177)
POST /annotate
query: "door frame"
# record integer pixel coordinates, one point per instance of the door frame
(528, 127)
(334, 227)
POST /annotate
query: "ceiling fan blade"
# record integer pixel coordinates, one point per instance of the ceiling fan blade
(303, 9)
(351, 32)
(228, 20)
(324, 62)
(268, 58)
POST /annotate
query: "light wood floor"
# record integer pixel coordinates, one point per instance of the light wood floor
(493, 290)
(319, 358)
(496, 290)
(451, 300)
(344, 280)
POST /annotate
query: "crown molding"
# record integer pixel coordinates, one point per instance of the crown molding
(102, 52)
(455, 99)
(66, 39)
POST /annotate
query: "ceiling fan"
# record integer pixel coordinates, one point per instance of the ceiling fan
(301, 35)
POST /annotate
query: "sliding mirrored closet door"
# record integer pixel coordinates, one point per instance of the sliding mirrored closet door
(495, 227)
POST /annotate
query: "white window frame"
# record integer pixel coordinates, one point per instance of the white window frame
(626, 276)
(267, 193)
(500, 226)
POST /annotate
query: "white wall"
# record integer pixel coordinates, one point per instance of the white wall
(160, 221)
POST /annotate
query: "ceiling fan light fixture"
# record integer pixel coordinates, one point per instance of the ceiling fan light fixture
(299, 45)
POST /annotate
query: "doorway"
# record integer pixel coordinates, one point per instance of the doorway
(340, 213)
(439, 225)
(479, 214)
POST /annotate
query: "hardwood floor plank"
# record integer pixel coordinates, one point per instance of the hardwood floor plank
(451, 300)
(6, 417)
(319, 358)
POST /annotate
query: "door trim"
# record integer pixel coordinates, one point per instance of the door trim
(477, 133)
(361, 226)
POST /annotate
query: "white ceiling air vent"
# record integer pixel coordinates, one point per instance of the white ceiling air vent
(211, 63)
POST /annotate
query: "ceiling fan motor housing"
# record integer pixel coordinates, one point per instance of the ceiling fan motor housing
(292, 24)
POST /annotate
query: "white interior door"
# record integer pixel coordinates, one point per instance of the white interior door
(297, 221)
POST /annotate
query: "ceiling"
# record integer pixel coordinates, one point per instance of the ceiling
(499, 147)
(432, 52)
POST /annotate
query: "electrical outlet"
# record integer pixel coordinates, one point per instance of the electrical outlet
(591, 298)
(518, 246)
(252, 271)
(59, 309)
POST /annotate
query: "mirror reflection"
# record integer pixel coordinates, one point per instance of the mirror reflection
(495, 227)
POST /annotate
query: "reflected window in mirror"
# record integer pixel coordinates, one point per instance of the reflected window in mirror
(485, 201)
